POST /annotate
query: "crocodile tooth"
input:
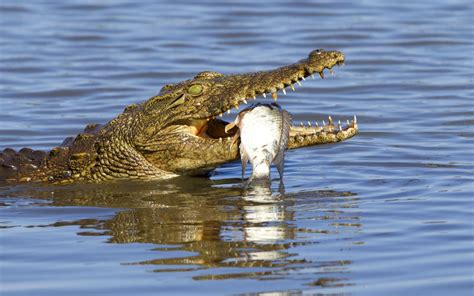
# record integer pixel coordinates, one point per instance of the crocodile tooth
(309, 123)
(330, 120)
(236, 107)
(292, 87)
(245, 101)
(228, 111)
(316, 123)
(321, 74)
(301, 124)
(299, 83)
(220, 115)
(324, 123)
(284, 91)
(220, 140)
(302, 77)
(347, 122)
(254, 97)
(264, 95)
(339, 125)
(274, 96)
(355, 119)
(312, 76)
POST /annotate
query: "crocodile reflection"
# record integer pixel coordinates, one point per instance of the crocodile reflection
(216, 225)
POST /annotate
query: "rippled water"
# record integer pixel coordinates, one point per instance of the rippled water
(389, 212)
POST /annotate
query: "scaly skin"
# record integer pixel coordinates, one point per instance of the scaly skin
(173, 133)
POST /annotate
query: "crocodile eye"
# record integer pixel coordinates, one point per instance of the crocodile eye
(195, 89)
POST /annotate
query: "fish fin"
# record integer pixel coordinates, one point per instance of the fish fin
(244, 157)
(230, 126)
(279, 160)
(234, 139)
(286, 126)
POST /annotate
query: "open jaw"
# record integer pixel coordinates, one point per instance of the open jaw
(268, 84)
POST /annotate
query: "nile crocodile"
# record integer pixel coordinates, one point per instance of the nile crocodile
(177, 132)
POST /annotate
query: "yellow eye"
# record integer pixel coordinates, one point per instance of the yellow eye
(195, 89)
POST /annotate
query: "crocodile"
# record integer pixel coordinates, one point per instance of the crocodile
(176, 132)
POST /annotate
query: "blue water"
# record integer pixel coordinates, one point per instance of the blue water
(389, 212)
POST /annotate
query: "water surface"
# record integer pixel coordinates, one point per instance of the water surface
(389, 212)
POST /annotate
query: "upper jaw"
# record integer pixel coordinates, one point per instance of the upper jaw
(231, 91)
(240, 88)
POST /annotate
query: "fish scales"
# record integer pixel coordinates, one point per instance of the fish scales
(263, 131)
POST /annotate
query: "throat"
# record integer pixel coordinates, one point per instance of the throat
(203, 128)
(199, 128)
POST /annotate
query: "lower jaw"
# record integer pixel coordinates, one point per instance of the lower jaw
(215, 129)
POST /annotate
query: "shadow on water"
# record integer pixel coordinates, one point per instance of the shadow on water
(217, 224)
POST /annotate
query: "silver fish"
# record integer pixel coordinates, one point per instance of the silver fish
(263, 130)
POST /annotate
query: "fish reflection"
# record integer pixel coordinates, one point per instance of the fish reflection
(206, 224)
(265, 218)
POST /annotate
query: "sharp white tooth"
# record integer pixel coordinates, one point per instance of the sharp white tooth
(309, 123)
(340, 128)
(264, 95)
(302, 77)
(316, 123)
(220, 140)
(236, 107)
(245, 101)
(254, 97)
(301, 124)
(312, 76)
(299, 83)
(347, 122)
(355, 119)
(284, 91)
(324, 122)
(330, 120)
(220, 115)
(228, 111)
(292, 87)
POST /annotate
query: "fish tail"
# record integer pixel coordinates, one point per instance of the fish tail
(260, 175)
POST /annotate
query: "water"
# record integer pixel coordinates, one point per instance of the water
(389, 212)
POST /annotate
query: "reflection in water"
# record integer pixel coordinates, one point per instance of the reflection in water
(216, 225)
(265, 217)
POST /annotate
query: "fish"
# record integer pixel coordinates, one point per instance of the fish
(264, 132)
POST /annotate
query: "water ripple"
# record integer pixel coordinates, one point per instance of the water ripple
(356, 216)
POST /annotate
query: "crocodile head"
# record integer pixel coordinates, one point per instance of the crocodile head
(177, 132)
(181, 132)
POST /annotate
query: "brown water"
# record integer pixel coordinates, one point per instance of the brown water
(389, 212)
